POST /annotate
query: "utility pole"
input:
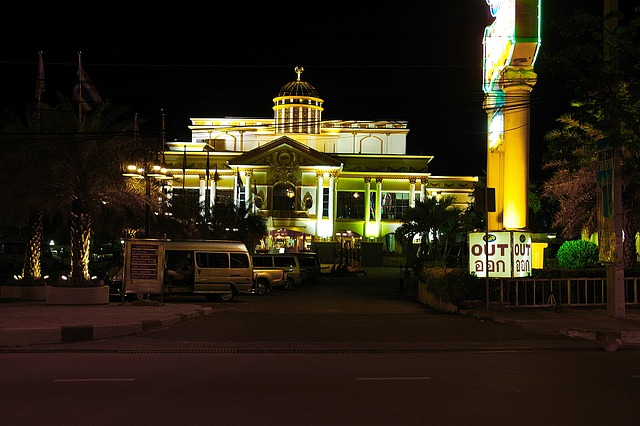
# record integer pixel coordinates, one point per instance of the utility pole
(610, 215)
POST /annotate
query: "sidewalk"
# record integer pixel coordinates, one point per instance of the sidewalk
(578, 322)
(34, 322)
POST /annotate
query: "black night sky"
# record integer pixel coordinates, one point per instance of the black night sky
(420, 63)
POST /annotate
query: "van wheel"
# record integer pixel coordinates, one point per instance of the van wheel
(225, 297)
(288, 285)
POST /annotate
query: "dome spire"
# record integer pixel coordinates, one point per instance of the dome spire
(297, 108)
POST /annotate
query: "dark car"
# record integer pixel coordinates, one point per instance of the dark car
(309, 266)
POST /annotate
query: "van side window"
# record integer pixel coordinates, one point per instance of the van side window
(284, 261)
(212, 260)
(239, 260)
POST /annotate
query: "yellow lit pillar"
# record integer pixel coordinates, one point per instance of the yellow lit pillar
(495, 156)
(332, 201)
(319, 206)
(378, 206)
(367, 205)
(516, 84)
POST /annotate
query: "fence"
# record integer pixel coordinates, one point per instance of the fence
(534, 292)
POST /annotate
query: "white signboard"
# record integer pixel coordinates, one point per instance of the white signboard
(143, 267)
(501, 254)
(522, 254)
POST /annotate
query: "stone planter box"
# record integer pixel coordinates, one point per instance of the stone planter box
(23, 292)
(77, 295)
(428, 298)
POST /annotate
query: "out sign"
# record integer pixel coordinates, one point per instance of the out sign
(500, 254)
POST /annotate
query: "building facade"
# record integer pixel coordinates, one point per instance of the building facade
(334, 182)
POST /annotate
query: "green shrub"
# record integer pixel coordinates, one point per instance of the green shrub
(454, 285)
(577, 254)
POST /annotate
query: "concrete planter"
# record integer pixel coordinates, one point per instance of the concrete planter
(436, 302)
(34, 292)
(77, 295)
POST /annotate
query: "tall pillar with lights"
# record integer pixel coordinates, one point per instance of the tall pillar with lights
(332, 200)
(319, 204)
(511, 45)
(367, 206)
(378, 207)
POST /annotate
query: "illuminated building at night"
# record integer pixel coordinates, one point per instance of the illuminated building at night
(315, 181)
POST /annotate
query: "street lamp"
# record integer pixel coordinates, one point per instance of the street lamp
(153, 167)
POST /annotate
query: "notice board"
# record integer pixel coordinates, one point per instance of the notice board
(144, 264)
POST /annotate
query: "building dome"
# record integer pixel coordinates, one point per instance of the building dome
(297, 108)
(298, 87)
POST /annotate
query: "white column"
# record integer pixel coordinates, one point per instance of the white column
(367, 204)
(332, 201)
(412, 192)
(319, 202)
(423, 189)
(378, 205)
(247, 191)
(202, 191)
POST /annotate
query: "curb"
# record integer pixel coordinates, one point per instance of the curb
(609, 339)
(12, 337)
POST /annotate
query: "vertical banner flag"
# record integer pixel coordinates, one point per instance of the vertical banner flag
(239, 180)
(84, 92)
(40, 80)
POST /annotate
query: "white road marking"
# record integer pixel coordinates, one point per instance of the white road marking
(96, 380)
(392, 378)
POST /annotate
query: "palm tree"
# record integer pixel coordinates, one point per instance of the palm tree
(82, 158)
(437, 222)
(24, 167)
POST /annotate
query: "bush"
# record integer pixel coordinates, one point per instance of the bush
(454, 285)
(577, 254)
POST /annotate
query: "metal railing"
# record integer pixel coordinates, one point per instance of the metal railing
(534, 292)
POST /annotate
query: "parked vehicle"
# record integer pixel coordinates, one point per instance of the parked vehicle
(286, 262)
(300, 267)
(265, 279)
(310, 267)
(217, 269)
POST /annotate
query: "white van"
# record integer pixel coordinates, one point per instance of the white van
(217, 269)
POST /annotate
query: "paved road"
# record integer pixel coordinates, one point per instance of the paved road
(355, 313)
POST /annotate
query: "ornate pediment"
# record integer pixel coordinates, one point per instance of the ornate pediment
(283, 159)
(286, 153)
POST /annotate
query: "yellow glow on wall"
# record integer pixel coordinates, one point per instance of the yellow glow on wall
(325, 228)
(537, 255)
(372, 230)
